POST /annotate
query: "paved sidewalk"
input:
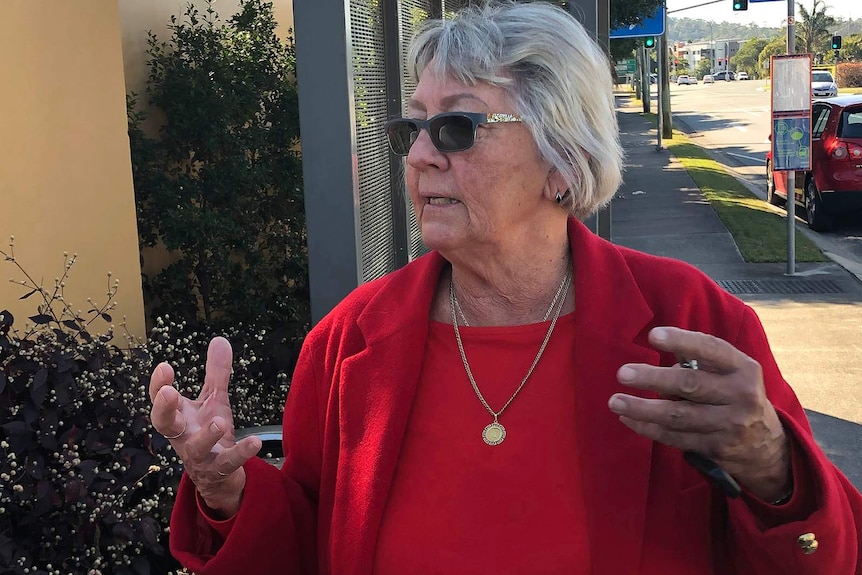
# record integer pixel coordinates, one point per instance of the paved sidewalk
(813, 319)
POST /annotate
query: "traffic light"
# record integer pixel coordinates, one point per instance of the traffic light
(649, 41)
(836, 42)
(740, 5)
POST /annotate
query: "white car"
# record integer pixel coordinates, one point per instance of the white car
(708, 79)
(685, 80)
(823, 85)
(742, 76)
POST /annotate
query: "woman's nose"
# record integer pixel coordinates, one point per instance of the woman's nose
(423, 152)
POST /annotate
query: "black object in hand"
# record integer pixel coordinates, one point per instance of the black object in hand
(713, 472)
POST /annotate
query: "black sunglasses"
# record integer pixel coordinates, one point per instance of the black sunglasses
(450, 132)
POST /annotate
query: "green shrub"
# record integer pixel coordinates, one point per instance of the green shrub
(221, 186)
(86, 484)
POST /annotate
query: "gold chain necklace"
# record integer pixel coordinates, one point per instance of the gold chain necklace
(545, 318)
(494, 433)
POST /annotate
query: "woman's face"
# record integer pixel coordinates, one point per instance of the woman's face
(481, 197)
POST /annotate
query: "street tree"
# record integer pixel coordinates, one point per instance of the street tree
(851, 49)
(814, 28)
(746, 58)
(704, 66)
(774, 47)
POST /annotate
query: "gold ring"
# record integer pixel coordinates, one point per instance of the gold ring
(690, 364)
(185, 426)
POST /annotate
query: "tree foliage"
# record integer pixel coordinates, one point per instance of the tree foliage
(221, 186)
(774, 47)
(814, 29)
(746, 59)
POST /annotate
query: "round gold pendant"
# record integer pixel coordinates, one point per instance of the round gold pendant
(494, 434)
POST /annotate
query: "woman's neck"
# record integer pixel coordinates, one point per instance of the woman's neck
(509, 291)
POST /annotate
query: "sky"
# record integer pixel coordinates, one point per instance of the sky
(763, 13)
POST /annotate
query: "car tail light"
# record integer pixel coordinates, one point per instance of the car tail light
(839, 151)
(855, 151)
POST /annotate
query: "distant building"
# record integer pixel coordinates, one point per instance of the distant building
(718, 52)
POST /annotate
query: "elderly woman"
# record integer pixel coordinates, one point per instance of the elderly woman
(514, 401)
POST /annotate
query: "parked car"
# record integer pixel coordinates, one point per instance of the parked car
(833, 186)
(708, 79)
(728, 76)
(823, 84)
(742, 76)
(685, 79)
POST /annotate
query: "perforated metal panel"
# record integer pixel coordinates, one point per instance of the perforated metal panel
(411, 13)
(369, 81)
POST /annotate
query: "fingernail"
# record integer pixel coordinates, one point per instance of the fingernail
(215, 428)
(659, 334)
(626, 374)
(616, 404)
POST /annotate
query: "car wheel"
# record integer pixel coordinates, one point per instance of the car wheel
(817, 218)
(771, 196)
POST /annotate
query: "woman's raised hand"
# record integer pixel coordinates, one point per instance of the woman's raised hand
(719, 410)
(201, 430)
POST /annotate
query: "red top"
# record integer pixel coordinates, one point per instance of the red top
(463, 506)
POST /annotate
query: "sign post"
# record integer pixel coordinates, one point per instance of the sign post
(647, 27)
(791, 131)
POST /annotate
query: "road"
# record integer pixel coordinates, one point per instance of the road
(732, 121)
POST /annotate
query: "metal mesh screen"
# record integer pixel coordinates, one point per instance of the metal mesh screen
(369, 81)
(411, 13)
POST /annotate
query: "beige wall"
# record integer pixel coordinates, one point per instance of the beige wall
(65, 173)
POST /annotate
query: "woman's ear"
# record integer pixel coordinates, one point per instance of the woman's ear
(555, 185)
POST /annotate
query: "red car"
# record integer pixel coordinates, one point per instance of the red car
(833, 186)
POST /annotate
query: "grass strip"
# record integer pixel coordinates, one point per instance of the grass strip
(759, 232)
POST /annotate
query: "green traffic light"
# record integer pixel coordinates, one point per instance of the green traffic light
(649, 42)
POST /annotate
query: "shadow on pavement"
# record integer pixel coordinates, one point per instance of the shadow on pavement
(841, 440)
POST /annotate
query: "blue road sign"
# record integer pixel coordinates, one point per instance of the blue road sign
(647, 27)
(791, 143)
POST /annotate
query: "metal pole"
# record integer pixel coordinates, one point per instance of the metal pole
(659, 88)
(791, 175)
(667, 120)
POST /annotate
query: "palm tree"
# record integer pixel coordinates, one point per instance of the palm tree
(814, 27)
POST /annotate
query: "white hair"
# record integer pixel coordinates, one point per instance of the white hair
(557, 77)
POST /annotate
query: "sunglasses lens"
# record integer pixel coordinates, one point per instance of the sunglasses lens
(452, 133)
(401, 133)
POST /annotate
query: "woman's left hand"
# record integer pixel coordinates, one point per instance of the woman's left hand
(719, 410)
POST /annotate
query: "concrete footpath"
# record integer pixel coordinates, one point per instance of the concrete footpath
(813, 319)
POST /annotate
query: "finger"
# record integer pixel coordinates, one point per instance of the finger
(165, 414)
(712, 353)
(202, 444)
(235, 457)
(699, 442)
(162, 375)
(671, 415)
(694, 385)
(218, 367)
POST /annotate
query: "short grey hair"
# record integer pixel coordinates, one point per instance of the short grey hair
(558, 78)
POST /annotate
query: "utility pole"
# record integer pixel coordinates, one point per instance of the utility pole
(645, 84)
(665, 121)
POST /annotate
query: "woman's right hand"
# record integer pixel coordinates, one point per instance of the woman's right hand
(201, 430)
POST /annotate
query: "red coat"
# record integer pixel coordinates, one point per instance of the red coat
(647, 511)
